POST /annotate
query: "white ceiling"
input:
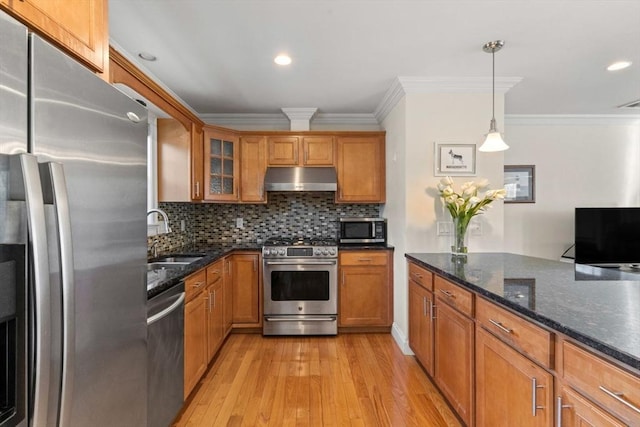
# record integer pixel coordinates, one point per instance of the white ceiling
(217, 55)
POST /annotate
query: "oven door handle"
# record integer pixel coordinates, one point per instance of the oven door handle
(301, 263)
(298, 319)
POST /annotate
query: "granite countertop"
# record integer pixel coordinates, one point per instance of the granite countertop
(596, 306)
(159, 281)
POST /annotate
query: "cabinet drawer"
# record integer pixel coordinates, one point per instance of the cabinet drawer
(453, 295)
(194, 284)
(364, 258)
(421, 276)
(214, 272)
(606, 384)
(524, 336)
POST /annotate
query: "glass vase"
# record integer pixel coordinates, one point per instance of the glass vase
(459, 243)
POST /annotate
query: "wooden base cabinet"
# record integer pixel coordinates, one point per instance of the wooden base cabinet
(365, 288)
(195, 341)
(572, 410)
(421, 309)
(244, 272)
(511, 390)
(454, 356)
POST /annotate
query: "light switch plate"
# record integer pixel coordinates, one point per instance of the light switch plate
(444, 228)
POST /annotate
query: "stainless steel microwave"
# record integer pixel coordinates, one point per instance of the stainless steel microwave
(354, 230)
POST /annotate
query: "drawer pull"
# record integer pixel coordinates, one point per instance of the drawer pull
(620, 398)
(559, 408)
(534, 400)
(197, 284)
(447, 293)
(365, 259)
(501, 326)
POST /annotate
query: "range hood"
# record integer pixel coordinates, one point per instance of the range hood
(300, 179)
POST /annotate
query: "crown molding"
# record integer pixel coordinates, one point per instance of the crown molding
(278, 121)
(571, 120)
(403, 85)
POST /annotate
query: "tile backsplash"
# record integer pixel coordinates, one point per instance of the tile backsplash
(285, 215)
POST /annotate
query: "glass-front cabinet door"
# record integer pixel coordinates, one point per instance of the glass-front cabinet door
(221, 166)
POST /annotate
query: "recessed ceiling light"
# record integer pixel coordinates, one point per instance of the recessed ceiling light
(620, 65)
(147, 56)
(282, 60)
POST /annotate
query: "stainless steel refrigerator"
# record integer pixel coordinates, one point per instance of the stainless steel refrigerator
(72, 242)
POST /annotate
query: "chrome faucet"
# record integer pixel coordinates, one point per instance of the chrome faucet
(162, 213)
(154, 248)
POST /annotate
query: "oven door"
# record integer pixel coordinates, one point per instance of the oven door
(300, 286)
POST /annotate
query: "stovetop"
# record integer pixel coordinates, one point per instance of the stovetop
(299, 247)
(299, 241)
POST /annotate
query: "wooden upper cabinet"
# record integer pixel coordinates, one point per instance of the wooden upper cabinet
(253, 165)
(282, 150)
(360, 164)
(317, 151)
(221, 165)
(197, 162)
(174, 161)
(79, 27)
(298, 150)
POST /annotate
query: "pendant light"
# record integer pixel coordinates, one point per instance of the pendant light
(493, 141)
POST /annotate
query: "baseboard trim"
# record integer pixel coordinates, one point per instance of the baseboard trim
(401, 340)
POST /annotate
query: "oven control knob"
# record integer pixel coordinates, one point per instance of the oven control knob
(332, 251)
(324, 252)
(267, 252)
(281, 252)
(317, 252)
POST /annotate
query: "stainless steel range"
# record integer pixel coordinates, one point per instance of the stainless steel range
(300, 287)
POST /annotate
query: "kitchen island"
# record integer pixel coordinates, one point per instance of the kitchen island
(523, 340)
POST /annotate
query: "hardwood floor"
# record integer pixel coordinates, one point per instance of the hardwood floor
(348, 380)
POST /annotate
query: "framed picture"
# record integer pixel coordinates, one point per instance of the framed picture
(455, 159)
(520, 183)
(521, 292)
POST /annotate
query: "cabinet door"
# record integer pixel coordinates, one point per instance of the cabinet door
(253, 164)
(197, 162)
(244, 271)
(454, 359)
(364, 296)
(421, 324)
(80, 27)
(282, 150)
(174, 163)
(195, 341)
(509, 386)
(575, 411)
(215, 333)
(227, 296)
(317, 151)
(360, 168)
(220, 166)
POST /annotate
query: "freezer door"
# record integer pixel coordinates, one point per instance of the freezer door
(13, 86)
(99, 136)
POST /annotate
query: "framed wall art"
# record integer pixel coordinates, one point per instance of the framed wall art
(520, 183)
(455, 159)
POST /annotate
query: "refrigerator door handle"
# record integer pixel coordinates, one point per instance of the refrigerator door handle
(55, 191)
(29, 188)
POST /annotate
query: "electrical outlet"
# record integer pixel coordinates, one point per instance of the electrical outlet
(475, 228)
(183, 225)
(239, 223)
(444, 228)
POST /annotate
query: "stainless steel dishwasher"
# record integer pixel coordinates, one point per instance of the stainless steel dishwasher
(165, 350)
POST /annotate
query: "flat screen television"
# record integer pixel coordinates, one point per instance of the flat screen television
(607, 237)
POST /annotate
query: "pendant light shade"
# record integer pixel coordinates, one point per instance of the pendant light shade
(493, 142)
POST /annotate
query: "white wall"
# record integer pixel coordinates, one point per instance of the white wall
(579, 162)
(413, 206)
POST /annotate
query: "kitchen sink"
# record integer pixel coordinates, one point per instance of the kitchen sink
(185, 259)
(166, 265)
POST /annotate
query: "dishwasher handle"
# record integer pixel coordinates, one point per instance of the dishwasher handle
(164, 313)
